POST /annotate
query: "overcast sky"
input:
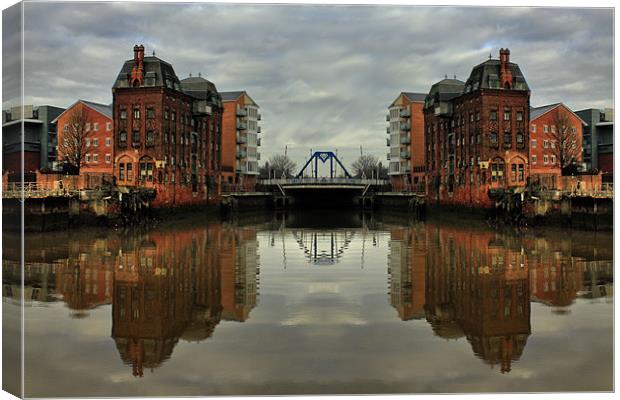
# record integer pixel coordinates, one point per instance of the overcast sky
(322, 75)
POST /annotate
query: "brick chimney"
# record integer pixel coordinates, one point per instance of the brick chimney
(505, 76)
(137, 70)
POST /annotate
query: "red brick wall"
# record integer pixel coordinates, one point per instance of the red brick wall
(537, 134)
(229, 141)
(418, 147)
(102, 137)
(606, 162)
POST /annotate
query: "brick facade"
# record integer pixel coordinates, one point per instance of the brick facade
(477, 135)
(164, 138)
(543, 144)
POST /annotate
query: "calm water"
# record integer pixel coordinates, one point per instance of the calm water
(316, 304)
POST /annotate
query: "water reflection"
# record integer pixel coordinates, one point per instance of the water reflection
(478, 284)
(459, 281)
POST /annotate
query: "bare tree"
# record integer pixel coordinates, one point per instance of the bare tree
(278, 166)
(72, 147)
(367, 165)
(564, 143)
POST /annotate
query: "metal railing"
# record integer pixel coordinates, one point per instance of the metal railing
(32, 189)
(323, 181)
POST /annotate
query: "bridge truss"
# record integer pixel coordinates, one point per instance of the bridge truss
(323, 156)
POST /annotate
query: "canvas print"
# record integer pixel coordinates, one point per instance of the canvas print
(204, 199)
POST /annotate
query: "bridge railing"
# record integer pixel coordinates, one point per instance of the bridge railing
(323, 181)
(33, 189)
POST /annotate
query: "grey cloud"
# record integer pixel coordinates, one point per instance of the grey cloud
(323, 75)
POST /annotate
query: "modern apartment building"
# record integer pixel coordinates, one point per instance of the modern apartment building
(598, 139)
(477, 134)
(39, 140)
(240, 141)
(406, 156)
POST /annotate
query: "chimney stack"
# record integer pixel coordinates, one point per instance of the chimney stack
(137, 70)
(505, 75)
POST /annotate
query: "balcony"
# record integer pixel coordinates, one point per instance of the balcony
(406, 169)
(387, 141)
(241, 126)
(405, 154)
(387, 130)
(405, 113)
(242, 112)
(387, 118)
(241, 169)
(258, 130)
(388, 156)
(257, 156)
(241, 139)
(405, 140)
(259, 117)
(241, 154)
(405, 126)
(258, 142)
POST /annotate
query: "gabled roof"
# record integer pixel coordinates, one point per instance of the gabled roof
(536, 112)
(447, 86)
(411, 96)
(201, 89)
(104, 109)
(232, 96)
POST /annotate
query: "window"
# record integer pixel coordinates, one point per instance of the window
(87, 158)
(534, 128)
(136, 137)
(493, 115)
(108, 126)
(166, 114)
(545, 144)
(493, 139)
(150, 112)
(87, 142)
(552, 128)
(545, 159)
(513, 172)
(122, 137)
(129, 171)
(552, 160)
(123, 114)
(87, 126)
(519, 115)
(520, 140)
(108, 142)
(507, 114)
(108, 158)
(573, 130)
(477, 115)
(497, 171)
(533, 143)
(174, 116)
(96, 158)
(150, 137)
(121, 172)
(533, 158)
(507, 139)
(66, 128)
(95, 126)
(545, 128)
(95, 142)
(136, 113)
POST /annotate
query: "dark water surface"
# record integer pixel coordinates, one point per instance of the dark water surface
(323, 303)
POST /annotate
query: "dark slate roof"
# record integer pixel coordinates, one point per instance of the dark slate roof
(481, 74)
(414, 96)
(105, 109)
(201, 89)
(157, 72)
(231, 96)
(447, 88)
(536, 112)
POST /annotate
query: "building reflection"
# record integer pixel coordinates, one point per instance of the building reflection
(478, 284)
(180, 285)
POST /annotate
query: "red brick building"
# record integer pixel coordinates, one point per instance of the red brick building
(166, 132)
(407, 154)
(99, 136)
(240, 141)
(547, 142)
(477, 134)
